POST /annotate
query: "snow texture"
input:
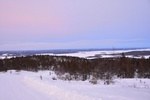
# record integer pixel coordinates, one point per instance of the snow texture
(25, 85)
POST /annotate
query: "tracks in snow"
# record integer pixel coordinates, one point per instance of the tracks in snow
(55, 91)
(12, 88)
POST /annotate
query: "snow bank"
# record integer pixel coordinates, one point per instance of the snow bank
(134, 83)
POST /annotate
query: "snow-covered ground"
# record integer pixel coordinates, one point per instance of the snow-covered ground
(102, 53)
(8, 56)
(88, 54)
(25, 85)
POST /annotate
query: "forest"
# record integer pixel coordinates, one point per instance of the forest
(81, 68)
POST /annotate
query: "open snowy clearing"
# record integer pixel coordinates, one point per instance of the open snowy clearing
(29, 86)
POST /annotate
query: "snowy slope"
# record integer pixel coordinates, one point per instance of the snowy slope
(29, 86)
(13, 88)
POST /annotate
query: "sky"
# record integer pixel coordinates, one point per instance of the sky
(74, 24)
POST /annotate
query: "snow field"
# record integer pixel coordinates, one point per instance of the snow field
(13, 88)
(103, 53)
(25, 85)
(53, 90)
(89, 54)
(122, 89)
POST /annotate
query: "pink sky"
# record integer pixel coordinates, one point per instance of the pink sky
(71, 21)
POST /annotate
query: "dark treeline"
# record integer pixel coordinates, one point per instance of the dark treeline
(122, 67)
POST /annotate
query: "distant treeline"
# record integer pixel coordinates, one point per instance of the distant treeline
(122, 67)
